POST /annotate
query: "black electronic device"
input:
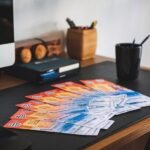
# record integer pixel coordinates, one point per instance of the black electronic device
(49, 69)
(7, 44)
(6, 22)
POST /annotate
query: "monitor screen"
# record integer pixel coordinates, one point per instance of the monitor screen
(6, 22)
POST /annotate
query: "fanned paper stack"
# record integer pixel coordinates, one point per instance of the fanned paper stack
(78, 109)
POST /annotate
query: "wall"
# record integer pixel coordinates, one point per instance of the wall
(118, 20)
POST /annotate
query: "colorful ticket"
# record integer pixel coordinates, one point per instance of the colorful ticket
(56, 97)
(38, 106)
(57, 101)
(83, 119)
(53, 100)
(29, 124)
(103, 85)
(74, 88)
(27, 114)
(125, 109)
(137, 100)
(48, 126)
(57, 93)
(41, 107)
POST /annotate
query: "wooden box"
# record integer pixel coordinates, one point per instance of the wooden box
(81, 43)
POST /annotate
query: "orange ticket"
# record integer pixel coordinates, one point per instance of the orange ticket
(30, 124)
(61, 94)
(41, 107)
(74, 88)
(26, 114)
(53, 100)
(55, 97)
(102, 85)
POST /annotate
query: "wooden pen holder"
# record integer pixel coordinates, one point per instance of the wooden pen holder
(81, 43)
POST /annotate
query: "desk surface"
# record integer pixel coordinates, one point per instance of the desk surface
(116, 140)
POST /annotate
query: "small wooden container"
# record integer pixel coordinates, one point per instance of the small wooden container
(38, 49)
(81, 43)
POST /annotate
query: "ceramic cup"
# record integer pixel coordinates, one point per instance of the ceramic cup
(128, 57)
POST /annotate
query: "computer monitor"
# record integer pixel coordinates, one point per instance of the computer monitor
(7, 45)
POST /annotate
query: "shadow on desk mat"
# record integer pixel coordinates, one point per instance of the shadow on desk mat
(55, 141)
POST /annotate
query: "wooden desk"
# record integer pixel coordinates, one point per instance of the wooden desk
(134, 137)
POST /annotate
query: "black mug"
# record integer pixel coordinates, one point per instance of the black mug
(128, 57)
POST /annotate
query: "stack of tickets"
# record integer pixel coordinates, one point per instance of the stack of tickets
(73, 108)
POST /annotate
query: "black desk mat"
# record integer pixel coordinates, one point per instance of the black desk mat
(56, 141)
